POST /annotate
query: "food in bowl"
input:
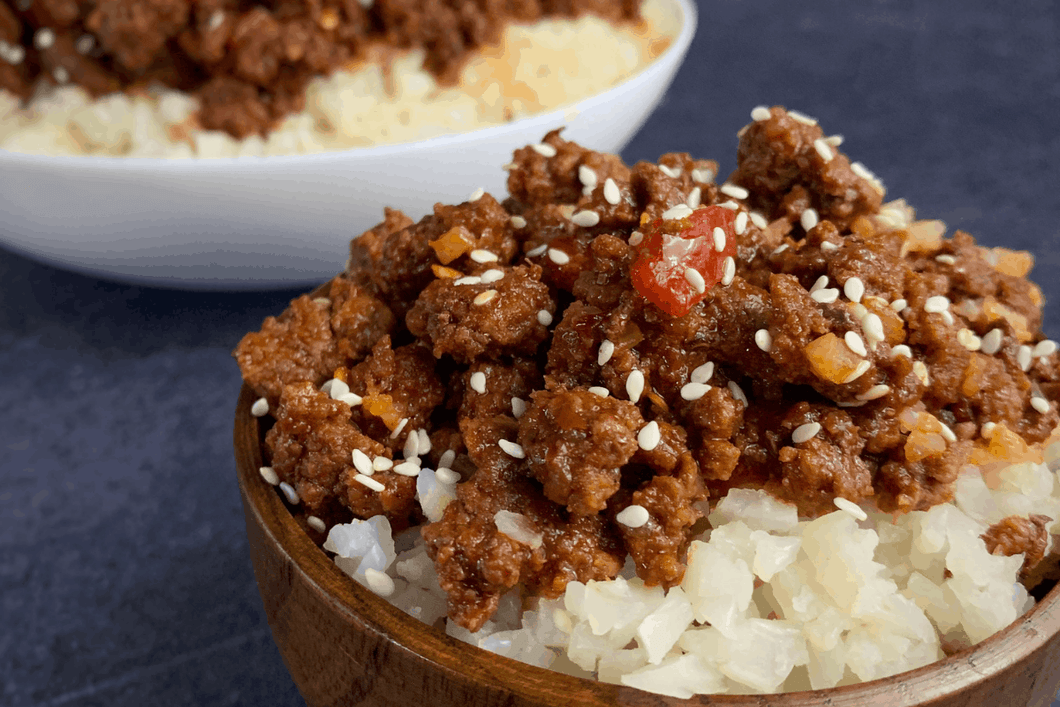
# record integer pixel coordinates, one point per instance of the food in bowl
(767, 435)
(171, 78)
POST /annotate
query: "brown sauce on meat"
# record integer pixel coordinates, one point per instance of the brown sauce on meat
(846, 357)
(249, 63)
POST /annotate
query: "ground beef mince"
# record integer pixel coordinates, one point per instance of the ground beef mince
(249, 62)
(1015, 535)
(839, 349)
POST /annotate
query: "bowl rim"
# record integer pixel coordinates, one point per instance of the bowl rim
(670, 57)
(961, 672)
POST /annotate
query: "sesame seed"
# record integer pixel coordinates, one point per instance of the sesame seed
(478, 382)
(633, 516)
(902, 350)
(675, 213)
(84, 44)
(920, 370)
(1044, 348)
(587, 176)
(728, 271)
(338, 388)
(351, 399)
(483, 256)
(834, 140)
(737, 392)
(412, 446)
(44, 39)
(671, 172)
(780, 249)
(858, 310)
(509, 166)
(536, 251)
(368, 482)
(477, 194)
(858, 372)
(518, 408)
(1023, 358)
(544, 149)
(635, 238)
(804, 433)
(820, 284)
(936, 304)
(854, 289)
(730, 205)
(826, 296)
(823, 149)
(517, 221)
(585, 219)
(512, 449)
(991, 342)
(491, 275)
(855, 343)
(607, 349)
(809, 219)
(829, 247)
(877, 391)
(862, 171)
(362, 463)
(635, 385)
(850, 508)
(400, 426)
(946, 259)
(469, 280)
(872, 325)
(899, 304)
(544, 317)
(695, 279)
(741, 223)
(379, 582)
(987, 430)
(764, 340)
(967, 338)
(381, 463)
(718, 235)
(447, 458)
(445, 475)
(702, 374)
(611, 193)
(61, 75)
(316, 524)
(599, 391)
(947, 433)
(649, 436)
(425, 441)
(484, 297)
(270, 475)
(1040, 404)
(558, 256)
(801, 118)
(736, 192)
(260, 408)
(759, 220)
(760, 113)
(695, 198)
(694, 391)
(290, 493)
(703, 176)
(407, 468)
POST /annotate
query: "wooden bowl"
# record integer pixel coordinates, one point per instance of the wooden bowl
(345, 646)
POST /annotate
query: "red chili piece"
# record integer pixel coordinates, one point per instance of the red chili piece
(673, 247)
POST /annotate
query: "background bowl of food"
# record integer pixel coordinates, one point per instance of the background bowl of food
(159, 200)
(876, 433)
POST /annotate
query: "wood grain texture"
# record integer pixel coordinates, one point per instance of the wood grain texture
(345, 646)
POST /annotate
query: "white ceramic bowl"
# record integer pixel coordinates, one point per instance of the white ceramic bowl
(283, 221)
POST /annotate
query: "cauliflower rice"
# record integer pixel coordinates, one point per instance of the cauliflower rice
(547, 65)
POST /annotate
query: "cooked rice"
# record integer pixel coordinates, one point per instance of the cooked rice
(540, 67)
(769, 603)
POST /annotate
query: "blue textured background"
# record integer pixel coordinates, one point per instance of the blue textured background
(124, 577)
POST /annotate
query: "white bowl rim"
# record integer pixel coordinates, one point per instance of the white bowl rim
(673, 53)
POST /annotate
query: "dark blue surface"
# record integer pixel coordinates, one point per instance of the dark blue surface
(124, 577)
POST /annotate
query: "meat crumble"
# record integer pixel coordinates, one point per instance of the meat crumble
(582, 360)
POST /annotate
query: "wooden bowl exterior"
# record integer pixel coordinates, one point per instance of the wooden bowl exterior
(345, 646)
